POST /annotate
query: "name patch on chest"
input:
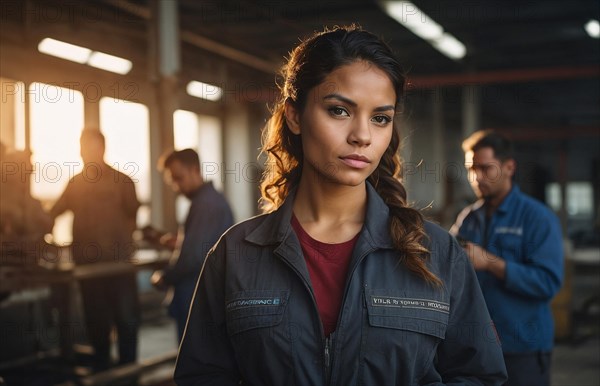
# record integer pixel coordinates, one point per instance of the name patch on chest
(509, 231)
(240, 303)
(423, 304)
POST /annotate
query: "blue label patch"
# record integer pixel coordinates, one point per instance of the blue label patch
(256, 302)
(509, 231)
(423, 304)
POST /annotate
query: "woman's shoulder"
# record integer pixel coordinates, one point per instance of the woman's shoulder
(443, 247)
(239, 231)
(436, 234)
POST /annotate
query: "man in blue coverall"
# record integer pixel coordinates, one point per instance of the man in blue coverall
(208, 218)
(515, 245)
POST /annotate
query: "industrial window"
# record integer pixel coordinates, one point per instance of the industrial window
(56, 121)
(126, 127)
(554, 196)
(12, 114)
(579, 199)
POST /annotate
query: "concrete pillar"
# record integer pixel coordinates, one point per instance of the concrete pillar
(91, 113)
(27, 117)
(471, 109)
(164, 65)
(423, 152)
(438, 151)
(238, 166)
(7, 112)
(563, 180)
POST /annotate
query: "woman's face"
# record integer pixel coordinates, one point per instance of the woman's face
(346, 124)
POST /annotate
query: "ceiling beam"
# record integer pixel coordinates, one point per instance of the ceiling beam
(201, 41)
(228, 52)
(503, 76)
(535, 134)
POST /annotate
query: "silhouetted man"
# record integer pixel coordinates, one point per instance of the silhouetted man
(104, 205)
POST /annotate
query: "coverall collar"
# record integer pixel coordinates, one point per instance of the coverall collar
(509, 200)
(277, 226)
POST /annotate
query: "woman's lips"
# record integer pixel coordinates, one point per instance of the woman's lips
(356, 161)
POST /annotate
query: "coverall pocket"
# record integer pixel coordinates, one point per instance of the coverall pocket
(401, 332)
(247, 310)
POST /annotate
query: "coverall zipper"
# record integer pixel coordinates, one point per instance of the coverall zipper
(327, 349)
(327, 342)
(324, 340)
(327, 362)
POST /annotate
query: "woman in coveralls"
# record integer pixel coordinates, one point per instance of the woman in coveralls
(340, 282)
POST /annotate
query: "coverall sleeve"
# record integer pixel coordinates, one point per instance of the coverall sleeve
(202, 231)
(539, 273)
(470, 353)
(206, 356)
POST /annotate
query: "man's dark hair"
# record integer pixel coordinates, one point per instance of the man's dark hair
(502, 146)
(187, 157)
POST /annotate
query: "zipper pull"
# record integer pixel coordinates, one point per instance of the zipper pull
(327, 357)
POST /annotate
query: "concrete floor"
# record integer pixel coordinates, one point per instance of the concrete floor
(577, 364)
(156, 338)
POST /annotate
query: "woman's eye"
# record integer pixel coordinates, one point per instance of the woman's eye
(339, 111)
(382, 119)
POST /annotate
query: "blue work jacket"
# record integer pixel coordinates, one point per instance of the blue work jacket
(527, 235)
(254, 319)
(208, 217)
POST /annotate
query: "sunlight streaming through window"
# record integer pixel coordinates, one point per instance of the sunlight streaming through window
(126, 127)
(56, 124)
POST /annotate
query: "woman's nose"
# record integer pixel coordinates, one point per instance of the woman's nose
(361, 133)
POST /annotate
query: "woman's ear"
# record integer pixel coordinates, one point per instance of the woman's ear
(292, 116)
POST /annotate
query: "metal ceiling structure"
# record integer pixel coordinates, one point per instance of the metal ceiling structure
(537, 65)
(531, 70)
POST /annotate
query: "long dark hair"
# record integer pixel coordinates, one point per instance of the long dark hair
(307, 67)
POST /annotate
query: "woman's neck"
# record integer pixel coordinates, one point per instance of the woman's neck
(329, 212)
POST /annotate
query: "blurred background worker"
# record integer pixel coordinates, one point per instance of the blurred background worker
(208, 217)
(23, 221)
(515, 244)
(104, 206)
(22, 218)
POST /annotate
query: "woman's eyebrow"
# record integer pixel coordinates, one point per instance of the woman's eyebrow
(354, 104)
(384, 108)
(340, 98)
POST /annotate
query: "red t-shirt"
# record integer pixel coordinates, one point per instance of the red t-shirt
(328, 267)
